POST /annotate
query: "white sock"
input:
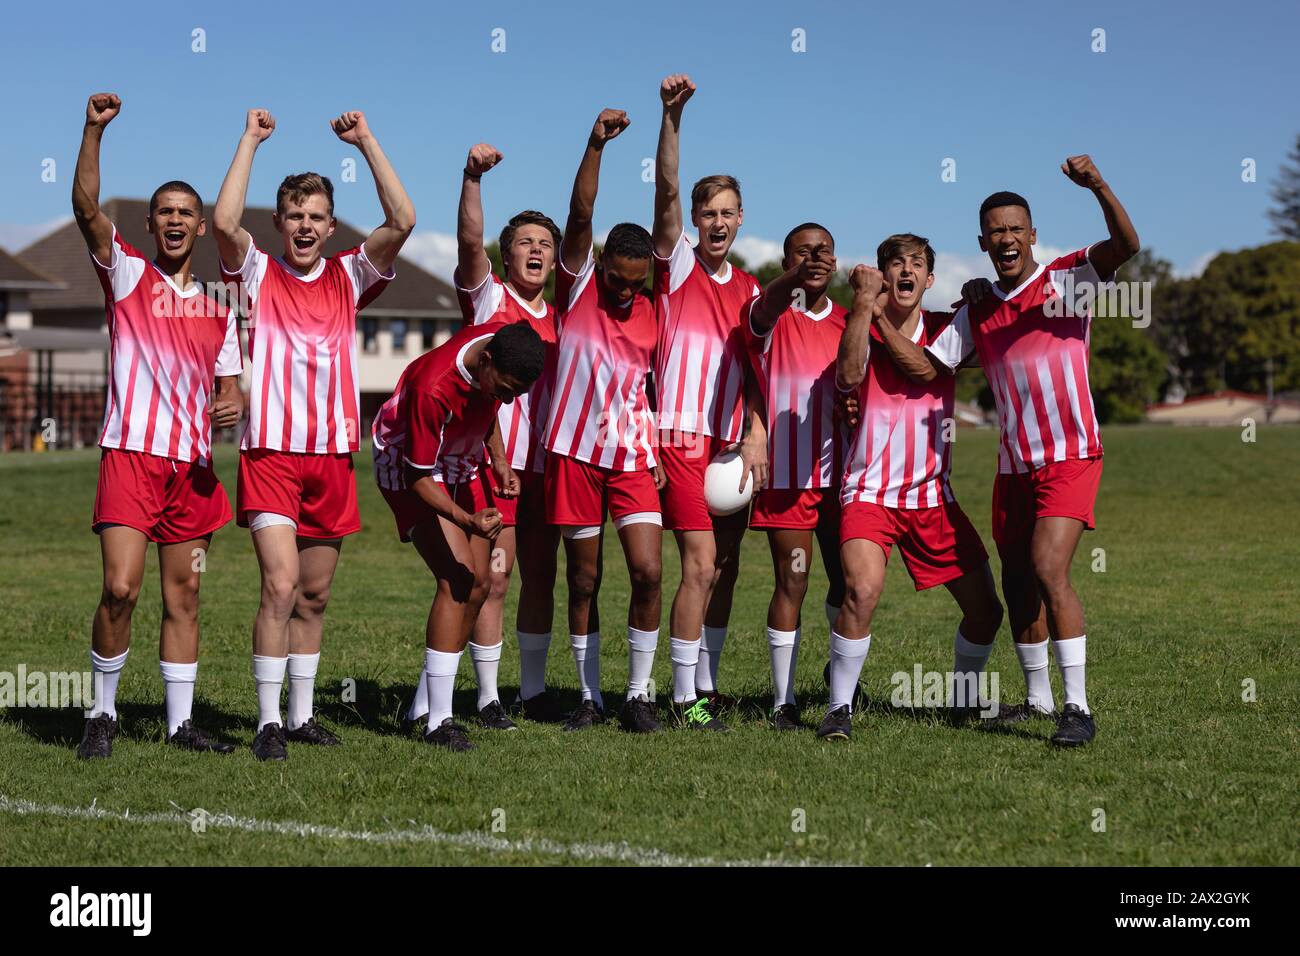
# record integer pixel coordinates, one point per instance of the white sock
(302, 682)
(268, 675)
(968, 662)
(783, 648)
(586, 655)
(1033, 661)
(440, 675)
(486, 658)
(1071, 655)
(107, 672)
(419, 709)
(532, 663)
(711, 641)
(178, 692)
(847, 658)
(685, 656)
(832, 614)
(640, 660)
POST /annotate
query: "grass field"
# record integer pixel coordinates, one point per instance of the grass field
(1201, 549)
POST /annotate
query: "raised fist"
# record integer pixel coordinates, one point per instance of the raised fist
(482, 158)
(260, 124)
(675, 90)
(351, 127)
(608, 125)
(1083, 172)
(866, 279)
(101, 108)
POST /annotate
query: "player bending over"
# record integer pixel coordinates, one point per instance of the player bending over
(297, 493)
(529, 244)
(167, 343)
(428, 449)
(700, 377)
(1031, 333)
(793, 334)
(600, 436)
(896, 489)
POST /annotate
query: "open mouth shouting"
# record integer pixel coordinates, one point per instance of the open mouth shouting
(173, 239)
(905, 287)
(533, 268)
(1008, 259)
(304, 244)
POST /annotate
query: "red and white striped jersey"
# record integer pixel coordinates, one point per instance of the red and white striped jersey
(1035, 356)
(599, 410)
(302, 346)
(898, 456)
(795, 364)
(166, 346)
(700, 367)
(523, 420)
(437, 419)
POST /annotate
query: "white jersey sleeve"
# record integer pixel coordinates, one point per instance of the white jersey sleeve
(484, 298)
(363, 273)
(955, 344)
(122, 269)
(680, 263)
(230, 361)
(250, 271)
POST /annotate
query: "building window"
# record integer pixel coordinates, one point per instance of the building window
(426, 334)
(398, 328)
(369, 332)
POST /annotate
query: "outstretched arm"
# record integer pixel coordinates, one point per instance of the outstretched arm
(382, 245)
(674, 91)
(1109, 254)
(472, 264)
(582, 204)
(782, 291)
(232, 238)
(94, 225)
(855, 343)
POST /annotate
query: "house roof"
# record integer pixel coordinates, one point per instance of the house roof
(415, 292)
(1227, 397)
(16, 274)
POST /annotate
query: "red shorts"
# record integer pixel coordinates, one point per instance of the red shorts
(799, 508)
(577, 492)
(410, 510)
(938, 544)
(529, 509)
(685, 459)
(1059, 489)
(319, 492)
(167, 500)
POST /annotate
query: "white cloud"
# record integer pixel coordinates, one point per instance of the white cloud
(757, 251)
(1197, 266)
(434, 251)
(15, 236)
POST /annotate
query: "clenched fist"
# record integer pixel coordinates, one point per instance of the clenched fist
(675, 90)
(1083, 172)
(259, 124)
(482, 157)
(101, 108)
(608, 125)
(351, 127)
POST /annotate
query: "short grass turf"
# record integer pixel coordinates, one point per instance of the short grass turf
(1197, 604)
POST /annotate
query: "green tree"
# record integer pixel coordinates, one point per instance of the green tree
(1286, 197)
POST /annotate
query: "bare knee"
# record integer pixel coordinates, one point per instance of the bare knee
(646, 577)
(861, 596)
(279, 594)
(496, 586)
(792, 585)
(698, 572)
(181, 599)
(582, 583)
(119, 595)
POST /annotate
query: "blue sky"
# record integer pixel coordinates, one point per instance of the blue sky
(851, 132)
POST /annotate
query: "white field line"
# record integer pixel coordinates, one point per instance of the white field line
(468, 840)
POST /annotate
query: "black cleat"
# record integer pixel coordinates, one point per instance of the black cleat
(189, 737)
(860, 698)
(638, 716)
(1009, 715)
(836, 725)
(313, 733)
(269, 743)
(587, 715)
(786, 717)
(449, 734)
(697, 715)
(541, 708)
(412, 725)
(716, 702)
(1074, 728)
(97, 739)
(493, 717)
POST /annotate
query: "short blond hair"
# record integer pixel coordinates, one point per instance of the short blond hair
(710, 186)
(299, 186)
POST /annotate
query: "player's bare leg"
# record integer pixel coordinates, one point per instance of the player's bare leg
(122, 550)
(317, 561)
(180, 569)
(582, 553)
(698, 552)
(643, 548)
(791, 550)
(276, 547)
(486, 639)
(1027, 616)
(863, 562)
(538, 544)
(1052, 548)
(460, 565)
(727, 534)
(981, 617)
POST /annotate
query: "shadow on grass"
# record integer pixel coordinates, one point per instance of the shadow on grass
(63, 726)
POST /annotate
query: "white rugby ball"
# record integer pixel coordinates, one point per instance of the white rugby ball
(721, 481)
